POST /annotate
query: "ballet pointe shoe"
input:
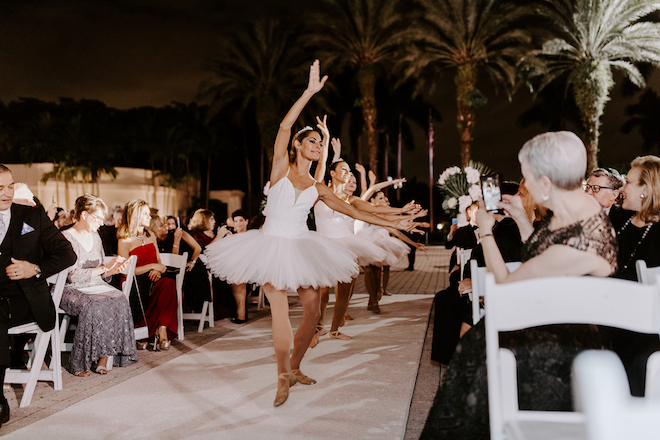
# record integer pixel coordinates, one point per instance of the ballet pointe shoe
(337, 335)
(320, 331)
(305, 380)
(283, 392)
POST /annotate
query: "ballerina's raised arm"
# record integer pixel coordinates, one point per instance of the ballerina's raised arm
(281, 160)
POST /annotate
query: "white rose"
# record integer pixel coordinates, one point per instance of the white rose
(475, 192)
(453, 170)
(267, 188)
(464, 202)
(472, 175)
(451, 203)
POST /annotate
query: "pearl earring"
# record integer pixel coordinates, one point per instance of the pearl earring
(545, 197)
(641, 196)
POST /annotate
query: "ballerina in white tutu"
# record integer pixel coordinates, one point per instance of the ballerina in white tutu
(376, 277)
(340, 228)
(284, 255)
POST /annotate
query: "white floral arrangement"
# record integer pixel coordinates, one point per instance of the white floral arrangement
(461, 186)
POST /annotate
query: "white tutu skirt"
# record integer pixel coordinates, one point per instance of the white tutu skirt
(367, 252)
(309, 260)
(395, 248)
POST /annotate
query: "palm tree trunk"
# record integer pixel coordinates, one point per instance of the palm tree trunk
(592, 82)
(268, 124)
(248, 175)
(367, 83)
(466, 80)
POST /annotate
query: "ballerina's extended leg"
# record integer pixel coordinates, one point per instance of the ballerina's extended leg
(282, 337)
(311, 302)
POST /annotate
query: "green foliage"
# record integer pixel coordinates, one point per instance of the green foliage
(592, 37)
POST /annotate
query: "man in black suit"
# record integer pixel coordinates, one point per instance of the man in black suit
(31, 250)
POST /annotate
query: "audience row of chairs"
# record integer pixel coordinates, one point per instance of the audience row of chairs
(55, 337)
(605, 408)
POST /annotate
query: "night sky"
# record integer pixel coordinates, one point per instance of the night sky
(140, 52)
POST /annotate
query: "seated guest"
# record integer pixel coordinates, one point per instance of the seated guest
(575, 238)
(639, 239)
(108, 231)
(202, 226)
(171, 223)
(105, 323)
(463, 237)
(604, 184)
(196, 288)
(153, 297)
(453, 308)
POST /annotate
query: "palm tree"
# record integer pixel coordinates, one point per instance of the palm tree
(260, 70)
(364, 36)
(592, 38)
(645, 117)
(469, 36)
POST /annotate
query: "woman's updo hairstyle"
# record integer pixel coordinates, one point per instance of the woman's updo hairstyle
(333, 167)
(302, 134)
(88, 203)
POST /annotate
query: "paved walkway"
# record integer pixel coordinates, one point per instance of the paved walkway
(430, 275)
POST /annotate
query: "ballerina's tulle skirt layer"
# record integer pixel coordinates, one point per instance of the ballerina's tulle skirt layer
(395, 248)
(367, 252)
(310, 260)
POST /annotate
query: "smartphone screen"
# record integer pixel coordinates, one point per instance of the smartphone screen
(454, 221)
(53, 197)
(490, 188)
(178, 222)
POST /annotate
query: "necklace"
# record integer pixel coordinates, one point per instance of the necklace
(632, 255)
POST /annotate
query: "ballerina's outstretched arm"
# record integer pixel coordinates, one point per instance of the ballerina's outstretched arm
(328, 197)
(280, 156)
(379, 186)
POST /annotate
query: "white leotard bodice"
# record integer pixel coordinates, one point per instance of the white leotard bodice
(286, 214)
(332, 224)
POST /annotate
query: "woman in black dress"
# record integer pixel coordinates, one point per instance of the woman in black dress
(575, 238)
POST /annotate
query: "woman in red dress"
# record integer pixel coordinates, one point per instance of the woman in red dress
(156, 295)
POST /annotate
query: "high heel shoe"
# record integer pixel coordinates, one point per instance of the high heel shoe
(305, 380)
(165, 345)
(155, 346)
(283, 392)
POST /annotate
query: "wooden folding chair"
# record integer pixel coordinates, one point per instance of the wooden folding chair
(53, 372)
(560, 300)
(178, 262)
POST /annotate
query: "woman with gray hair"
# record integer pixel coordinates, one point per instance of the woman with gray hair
(575, 238)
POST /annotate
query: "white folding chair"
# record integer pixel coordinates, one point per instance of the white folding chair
(601, 390)
(478, 274)
(178, 262)
(206, 315)
(462, 258)
(53, 372)
(646, 275)
(543, 301)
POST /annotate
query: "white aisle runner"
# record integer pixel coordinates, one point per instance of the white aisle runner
(225, 389)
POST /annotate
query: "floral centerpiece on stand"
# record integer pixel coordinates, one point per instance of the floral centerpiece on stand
(460, 187)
